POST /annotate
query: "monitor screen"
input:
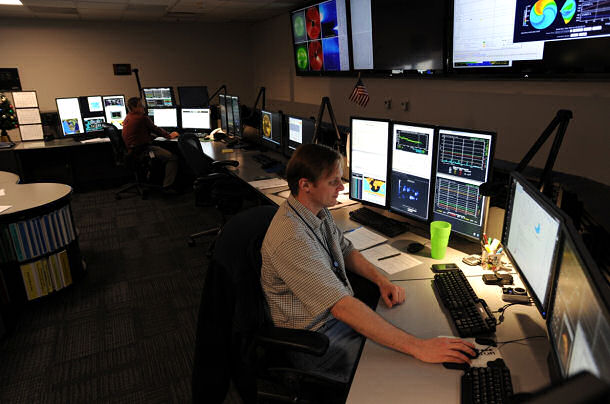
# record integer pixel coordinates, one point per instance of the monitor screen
(531, 238)
(223, 112)
(464, 162)
(271, 129)
(91, 106)
(300, 131)
(369, 146)
(196, 118)
(236, 116)
(393, 36)
(70, 116)
(320, 38)
(193, 96)
(94, 124)
(114, 109)
(95, 104)
(411, 169)
(159, 97)
(579, 316)
(531, 39)
(230, 122)
(164, 117)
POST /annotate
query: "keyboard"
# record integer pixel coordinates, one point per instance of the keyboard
(470, 315)
(263, 159)
(491, 384)
(384, 225)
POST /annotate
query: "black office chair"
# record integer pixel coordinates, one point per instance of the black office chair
(236, 339)
(141, 166)
(213, 185)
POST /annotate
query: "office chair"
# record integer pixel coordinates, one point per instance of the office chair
(140, 166)
(213, 185)
(236, 339)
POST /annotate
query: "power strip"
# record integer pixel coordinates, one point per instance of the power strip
(515, 295)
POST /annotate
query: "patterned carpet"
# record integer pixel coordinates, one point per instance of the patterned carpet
(126, 332)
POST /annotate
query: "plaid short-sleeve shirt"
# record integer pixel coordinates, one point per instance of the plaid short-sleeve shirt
(298, 278)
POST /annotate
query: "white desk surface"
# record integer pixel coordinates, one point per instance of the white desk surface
(22, 197)
(384, 375)
(8, 178)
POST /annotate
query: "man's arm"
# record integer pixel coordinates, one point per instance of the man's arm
(368, 323)
(390, 293)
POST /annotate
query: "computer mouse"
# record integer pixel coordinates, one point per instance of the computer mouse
(415, 247)
(476, 354)
(456, 366)
(485, 341)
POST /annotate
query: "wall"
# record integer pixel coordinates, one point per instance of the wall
(517, 110)
(72, 58)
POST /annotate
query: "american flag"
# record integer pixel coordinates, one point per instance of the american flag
(360, 94)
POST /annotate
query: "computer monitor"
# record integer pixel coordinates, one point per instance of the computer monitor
(94, 124)
(196, 118)
(368, 168)
(114, 109)
(464, 161)
(412, 160)
(300, 131)
(164, 117)
(579, 312)
(236, 115)
(531, 237)
(156, 97)
(223, 112)
(271, 128)
(70, 116)
(230, 122)
(193, 96)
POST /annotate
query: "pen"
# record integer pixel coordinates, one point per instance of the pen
(485, 238)
(351, 230)
(389, 256)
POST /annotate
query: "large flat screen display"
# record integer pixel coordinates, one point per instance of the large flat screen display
(320, 39)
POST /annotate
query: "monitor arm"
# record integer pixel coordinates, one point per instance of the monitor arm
(136, 72)
(316, 133)
(222, 87)
(261, 92)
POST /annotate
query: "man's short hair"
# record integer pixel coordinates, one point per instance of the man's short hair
(132, 103)
(310, 161)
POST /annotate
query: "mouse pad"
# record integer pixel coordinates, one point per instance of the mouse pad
(486, 352)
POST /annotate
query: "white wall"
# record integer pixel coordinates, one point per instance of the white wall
(517, 110)
(72, 58)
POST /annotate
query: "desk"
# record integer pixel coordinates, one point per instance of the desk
(8, 178)
(384, 375)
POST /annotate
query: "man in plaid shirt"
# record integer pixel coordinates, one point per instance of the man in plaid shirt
(303, 275)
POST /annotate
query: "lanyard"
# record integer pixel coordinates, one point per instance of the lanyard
(326, 247)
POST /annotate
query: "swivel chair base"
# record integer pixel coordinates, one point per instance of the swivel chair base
(192, 237)
(132, 188)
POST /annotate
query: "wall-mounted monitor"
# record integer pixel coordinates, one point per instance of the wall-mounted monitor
(193, 96)
(525, 38)
(159, 97)
(320, 38)
(399, 37)
(271, 129)
(70, 117)
(411, 176)
(368, 168)
(196, 118)
(114, 109)
(464, 162)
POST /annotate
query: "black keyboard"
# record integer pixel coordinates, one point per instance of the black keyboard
(384, 225)
(470, 314)
(263, 159)
(491, 384)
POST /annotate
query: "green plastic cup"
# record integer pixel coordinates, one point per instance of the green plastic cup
(439, 238)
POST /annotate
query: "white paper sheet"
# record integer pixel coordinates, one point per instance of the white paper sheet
(362, 238)
(3, 208)
(2, 193)
(25, 99)
(31, 132)
(270, 183)
(28, 116)
(392, 265)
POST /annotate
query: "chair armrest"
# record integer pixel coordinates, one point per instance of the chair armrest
(310, 342)
(225, 163)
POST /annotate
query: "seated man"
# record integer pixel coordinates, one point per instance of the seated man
(303, 275)
(137, 129)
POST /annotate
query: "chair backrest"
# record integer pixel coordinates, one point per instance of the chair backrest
(191, 150)
(118, 144)
(233, 307)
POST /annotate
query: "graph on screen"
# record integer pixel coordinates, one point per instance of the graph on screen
(413, 142)
(459, 200)
(464, 157)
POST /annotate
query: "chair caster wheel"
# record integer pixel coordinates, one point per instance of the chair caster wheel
(191, 242)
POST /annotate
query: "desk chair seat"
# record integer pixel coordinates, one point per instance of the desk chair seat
(236, 339)
(139, 164)
(213, 186)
